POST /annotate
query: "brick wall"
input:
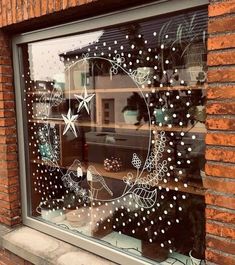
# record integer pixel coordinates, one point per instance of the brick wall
(14, 11)
(9, 184)
(220, 140)
(8, 258)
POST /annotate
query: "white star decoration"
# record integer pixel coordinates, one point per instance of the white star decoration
(84, 101)
(69, 122)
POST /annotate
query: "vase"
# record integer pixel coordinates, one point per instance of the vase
(195, 261)
(163, 117)
(130, 116)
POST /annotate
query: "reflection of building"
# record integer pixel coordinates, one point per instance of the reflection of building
(107, 132)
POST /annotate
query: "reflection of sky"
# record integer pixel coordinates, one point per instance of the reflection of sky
(44, 55)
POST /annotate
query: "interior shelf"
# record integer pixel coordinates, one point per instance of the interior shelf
(188, 185)
(145, 127)
(124, 89)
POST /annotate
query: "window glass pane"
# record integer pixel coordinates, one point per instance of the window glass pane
(115, 127)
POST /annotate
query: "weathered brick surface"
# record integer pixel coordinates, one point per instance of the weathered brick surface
(220, 229)
(223, 155)
(215, 242)
(224, 124)
(221, 24)
(219, 185)
(221, 108)
(218, 258)
(220, 170)
(220, 200)
(221, 8)
(226, 139)
(221, 75)
(221, 42)
(220, 153)
(15, 11)
(221, 92)
(220, 215)
(8, 258)
(221, 58)
(9, 182)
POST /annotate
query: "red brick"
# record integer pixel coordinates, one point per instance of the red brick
(7, 113)
(13, 2)
(57, 5)
(25, 11)
(19, 11)
(8, 164)
(221, 24)
(223, 155)
(218, 184)
(7, 122)
(37, 8)
(221, 75)
(9, 13)
(221, 124)
(51, 6)
(218, 258)
(221, 92)
(225, 139)
(7, 95)
(7, 105)
(8, 148)
(6, 87)
(4, 18)
(226, 201)
(64, 4)
(8, 140)
(7, 131)
(221, 8)
(221, 42)
(220, 108)
(8, 175)
(5, 61)
(221, 58)
(219, 215)
(43, 8)
(227, 246)
(5, 70)
(6, 79)
(221, 230)
(218, 170)
(8, 156)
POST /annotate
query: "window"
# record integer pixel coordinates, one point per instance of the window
(114, 129)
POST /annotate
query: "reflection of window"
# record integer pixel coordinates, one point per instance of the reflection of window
(116, 137)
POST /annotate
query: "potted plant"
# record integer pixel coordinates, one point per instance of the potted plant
(135, 110)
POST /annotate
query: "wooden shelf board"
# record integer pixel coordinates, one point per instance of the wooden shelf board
(192, 187)
(144, 127)
(124, 89)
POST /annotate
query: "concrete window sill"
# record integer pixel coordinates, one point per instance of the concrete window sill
(41, 249)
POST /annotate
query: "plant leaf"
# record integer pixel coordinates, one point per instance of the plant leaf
(145, 198)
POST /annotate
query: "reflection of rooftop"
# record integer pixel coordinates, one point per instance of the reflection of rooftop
(115, 38)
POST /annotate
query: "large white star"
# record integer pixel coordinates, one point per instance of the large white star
(69, 122)
(84, 100)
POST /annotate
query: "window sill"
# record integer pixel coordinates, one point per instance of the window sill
(39, 248)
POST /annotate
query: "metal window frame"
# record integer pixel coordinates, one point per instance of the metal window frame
(122, 16)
